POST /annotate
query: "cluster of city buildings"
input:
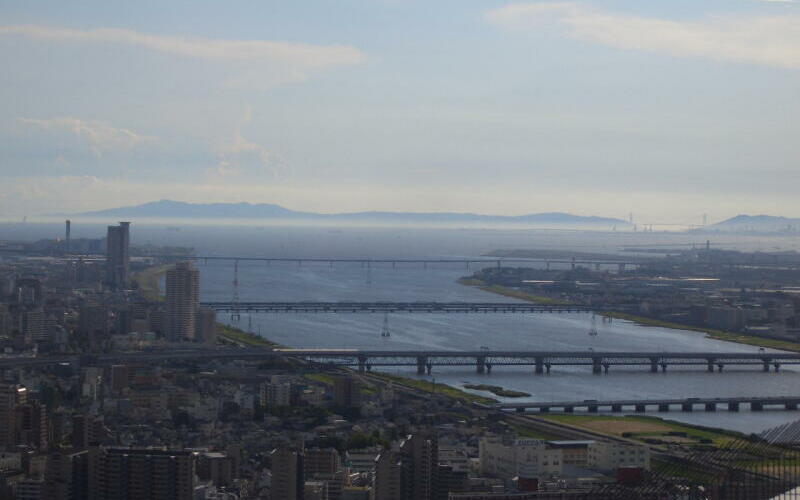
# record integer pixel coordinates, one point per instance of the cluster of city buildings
(211, 429)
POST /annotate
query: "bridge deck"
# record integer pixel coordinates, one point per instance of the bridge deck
(394, 307)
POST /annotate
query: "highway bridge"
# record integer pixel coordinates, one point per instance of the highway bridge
(482, 360)
(641, 405)
(394, 262)
(392, 307)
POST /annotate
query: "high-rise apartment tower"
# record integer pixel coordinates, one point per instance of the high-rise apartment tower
(118, 255)
(183, 302)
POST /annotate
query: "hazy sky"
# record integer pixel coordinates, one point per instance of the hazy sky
(666, 108)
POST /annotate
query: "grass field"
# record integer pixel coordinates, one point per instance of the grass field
(510, 292)
(424, 385)
(643, 427)
(242, 337)
(497, 390)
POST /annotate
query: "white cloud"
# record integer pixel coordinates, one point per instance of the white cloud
(763, 40)
(237, 153)
(299, 54)
(100, 136)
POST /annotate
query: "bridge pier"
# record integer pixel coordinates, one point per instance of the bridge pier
(480, 364)
(597, 365)
(757, 406)
(547, 367)
(663, 407)
(539, 366)
(616, 408)
(766, 364)
(711, 406)
(544, 409)
(362, 362)
(733, 406)
(640, 408)
(569, 409)
(686, 407)
(421, 362)
(653, 365)
(777, 367)
(720, 366)
(790, 406)
(592, 408)
(663, 367)
(428, 368)
(606, 367)
(710, 364)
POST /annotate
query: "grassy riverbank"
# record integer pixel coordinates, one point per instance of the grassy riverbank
(497, 390)
(427, 386)
(511, 292)
(242, 337)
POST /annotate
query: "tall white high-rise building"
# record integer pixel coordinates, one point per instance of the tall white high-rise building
(183, 302)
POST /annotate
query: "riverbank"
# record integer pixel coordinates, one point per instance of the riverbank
(510, 292)
(242, 338)
(424, 385)
(497, 390)
(784, 345)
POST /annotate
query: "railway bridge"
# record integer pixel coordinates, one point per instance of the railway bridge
(662, 405)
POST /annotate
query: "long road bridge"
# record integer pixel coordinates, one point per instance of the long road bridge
(543, 361)
(641, 405)
(393, 307)
(482, 360)
(395, 262)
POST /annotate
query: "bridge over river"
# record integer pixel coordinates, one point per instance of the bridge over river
(483, 360)
(393, 307)
(543, 361)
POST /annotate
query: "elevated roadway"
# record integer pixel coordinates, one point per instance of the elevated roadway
(424, 360)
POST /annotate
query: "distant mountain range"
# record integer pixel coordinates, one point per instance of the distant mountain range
(769, 223)
(179, 209)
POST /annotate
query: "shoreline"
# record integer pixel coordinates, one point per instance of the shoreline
(737, 338)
